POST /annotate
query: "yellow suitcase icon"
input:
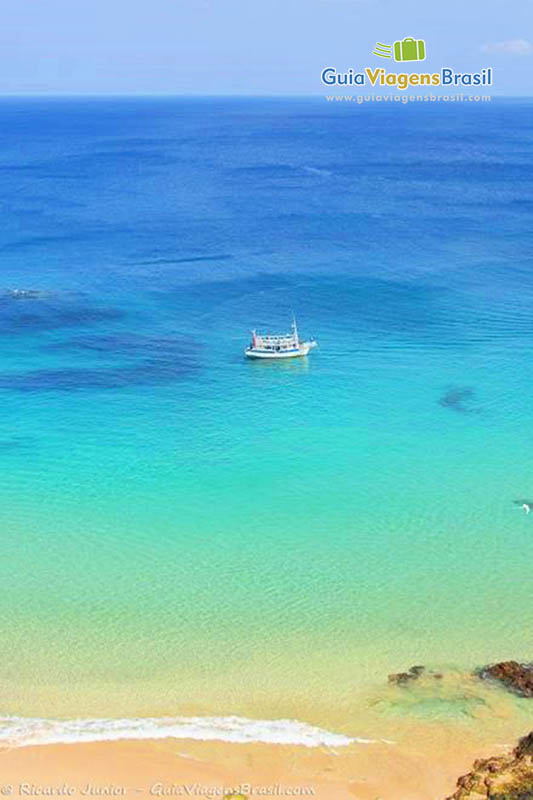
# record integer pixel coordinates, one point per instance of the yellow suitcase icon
(410, 50)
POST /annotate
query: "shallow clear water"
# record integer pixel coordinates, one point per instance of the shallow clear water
(185, 532)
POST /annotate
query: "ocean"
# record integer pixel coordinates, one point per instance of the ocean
(194, 538)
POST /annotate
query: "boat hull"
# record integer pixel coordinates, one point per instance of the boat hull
(303, 350)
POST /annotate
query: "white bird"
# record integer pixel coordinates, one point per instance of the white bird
(525, 503)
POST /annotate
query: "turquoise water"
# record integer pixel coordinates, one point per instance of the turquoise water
(186, 532)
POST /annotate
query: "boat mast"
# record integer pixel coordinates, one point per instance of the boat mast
(295, 329)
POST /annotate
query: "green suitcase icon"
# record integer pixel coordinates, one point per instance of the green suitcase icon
(410, 50)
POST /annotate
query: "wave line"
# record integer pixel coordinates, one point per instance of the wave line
(25, 731)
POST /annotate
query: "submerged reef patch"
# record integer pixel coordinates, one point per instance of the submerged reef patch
(459, 398)
(142, 361)
(49, 312)
(147, 373)
(129, 344)
(9, 443)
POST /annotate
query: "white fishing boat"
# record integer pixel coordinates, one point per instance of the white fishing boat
(285, 345)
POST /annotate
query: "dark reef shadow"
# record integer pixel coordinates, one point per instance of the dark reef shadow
(459, 399)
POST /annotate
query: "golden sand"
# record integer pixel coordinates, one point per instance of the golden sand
(171, 768)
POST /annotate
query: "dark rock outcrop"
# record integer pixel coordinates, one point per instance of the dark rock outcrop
(412, 674)
(402, 678)
(500, 778)
(516, 677)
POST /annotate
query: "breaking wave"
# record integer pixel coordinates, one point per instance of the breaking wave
(24, 731)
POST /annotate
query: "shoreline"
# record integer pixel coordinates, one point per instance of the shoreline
(419, 770)
(399, 756)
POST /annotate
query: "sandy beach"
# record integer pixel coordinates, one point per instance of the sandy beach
(200, 769)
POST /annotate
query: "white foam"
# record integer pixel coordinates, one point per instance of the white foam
(24, 731)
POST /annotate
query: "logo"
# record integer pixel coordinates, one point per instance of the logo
(407, 49)
(404, 50)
